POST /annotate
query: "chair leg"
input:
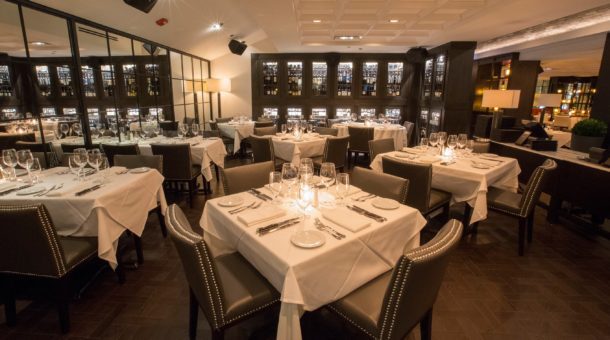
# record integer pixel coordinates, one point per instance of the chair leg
(161, 221)
(522, 226)
(446, 212)
(193, 314)
(530, 227)
(63, 299)
(10, 309)
(425, 326)
(137, 242)
(218, 334)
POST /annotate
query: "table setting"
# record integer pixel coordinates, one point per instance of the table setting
(382, 130)
(299, 144)
(239, 130)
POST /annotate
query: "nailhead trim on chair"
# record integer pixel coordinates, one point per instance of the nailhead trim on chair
(252, 311)
(352, 322)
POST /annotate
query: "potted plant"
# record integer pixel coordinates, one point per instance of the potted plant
(588, 133)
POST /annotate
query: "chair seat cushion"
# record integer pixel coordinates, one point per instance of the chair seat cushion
(78, 249)
(244, 288)
(362, 307)
(437, 199)
(503, 200)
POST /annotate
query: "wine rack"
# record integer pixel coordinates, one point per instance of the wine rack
(295, 78)
(44, 80)
(439, 76)
(295, 113)
(108, 80)
(65, 81)
(6, 90)
(270, 112)
(395, 71)
(88, 81)
(153, 82)
(392, 112)
(367, 112)
(48, 112)
(318, 113)
(343, 112)
(270, 78)
(369, 78)
(428, 77)
(129, 80)
(344, 79)
(11, 113)
(319, 78)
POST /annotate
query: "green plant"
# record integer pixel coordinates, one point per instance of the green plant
(590, 128)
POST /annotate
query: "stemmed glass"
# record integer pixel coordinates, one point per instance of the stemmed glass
(184, 129)
(114, 129)
(452, 142)
(195, 129)
(327, 175)
(76, 128)
(469, 147)
(284, 129)
(35, 171)
(80, 159)
(461, 140)
(275, 185)
(64, 128)
(25, 159)
(9, 158)
(104, 165)
(305, 174)
(442, 138)
(433, 139)
(290, 175)
(423, 143)
(94, 157)
(342, 186)
(354, 117)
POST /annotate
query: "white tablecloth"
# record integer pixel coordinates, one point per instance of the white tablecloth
(121, 204)
(466, 183)
(292, 150)
(394, 131)
(562, 137)
(311, 278)
(237, 131)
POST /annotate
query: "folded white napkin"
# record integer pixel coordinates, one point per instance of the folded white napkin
(484, 163)
(414, 150)
(7, 186)
(428, 159)
(70, 189)
(251, 217)
(346, 218)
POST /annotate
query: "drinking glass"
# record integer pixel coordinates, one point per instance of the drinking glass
(104, 165)
(195, 129)
(327, 174)
(156, 128)
(433, 139)
(305, 198)
(9, 158)
(275, 185)
(101, 130)
(80, 158)
(452, 142)
(342, 186)
(74, 165)
(76, 128)
(310, 127)
(423, 144)
(64, 128)
(305, 174)
(114, 129)
(94, 157)
(95, 134)
(461, 140)
(469, 147)
(308, 162)
(25, 159)
(8, 172)
(354, 117)
(442, 138)
(284, 129)
(35, 171)
(184, 129)
(290, 175)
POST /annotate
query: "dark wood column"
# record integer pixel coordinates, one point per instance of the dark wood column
(600, 108)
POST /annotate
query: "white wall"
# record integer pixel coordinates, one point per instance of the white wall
(236, 68)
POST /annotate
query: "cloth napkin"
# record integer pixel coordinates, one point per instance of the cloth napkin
(70, 189)
(346, 218)
(7, 186)
(428, 159)
(251, 217)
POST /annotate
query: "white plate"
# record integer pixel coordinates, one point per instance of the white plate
(31, 190)
(140, 170)
(480, 166)
(489, 155)
(415, 150)
(308, 239)
(385, 203)
(403, 155)
(428, 159)
(230, 201)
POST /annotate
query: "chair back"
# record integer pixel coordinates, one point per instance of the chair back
(189, 121)
(533, 189)
(199, 266)
(482, 126)
(420, 181)
(335, 150)
(210, 133)
(327, 131)
(223, 120)
(262, 148)
(213, 126)
(116, 149)
(416, 280)
(168, 126)
(242, 178)
(33, 146)
(65, 159)
(262, 124)
(480, 146)
(265, 131)
(380, 184)
(29, 244)
(377, 146)
(331, 121)
(359, 138)
(409, 126)
(177, 163)
(71, 147)
(138, 161)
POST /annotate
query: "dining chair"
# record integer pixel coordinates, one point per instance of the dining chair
(327, 131)
(210, 133)
(33, 255)
(226, 287)
(332, 121)
(379, 146)
(481, 146)
(71, 147)
(178, 167)
(262, 124)
(391, 305)
(110, 150)
(335, 149)
(409, 126)
(169, 128)
(223, 120)
(380, 184)
(359, 138)
(244, 177)
(262, 150)
(226, 140)
(265, 131)
(522, 206)
(421, 195)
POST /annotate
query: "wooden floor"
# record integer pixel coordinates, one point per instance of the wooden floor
(559, 290)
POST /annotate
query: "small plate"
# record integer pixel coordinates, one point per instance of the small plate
(404, 155)
(140, 170)
(415, 150)
(31, 190)
(308, 239)
(385, 203)
(428, 159)
(480, 166)
(231, 201)
(489, 155)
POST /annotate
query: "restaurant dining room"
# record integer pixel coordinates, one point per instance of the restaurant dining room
(304, 169)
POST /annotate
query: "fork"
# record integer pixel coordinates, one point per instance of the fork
(330, 230)
(56, 188)
(46, 191)
(365, 198)
(253, 205)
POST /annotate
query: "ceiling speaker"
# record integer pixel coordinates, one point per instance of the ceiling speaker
(237, 47)
(143, 5)
(152, 49)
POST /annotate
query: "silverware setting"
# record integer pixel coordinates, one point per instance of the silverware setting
(44, 192)
(323, 227)
(253, 205)
(365, 198)
(6, 192)
(492, 159)
(122, 172)
(88, 190)
(259, 195)
(55, 189)
(277, 226)
(366, 213)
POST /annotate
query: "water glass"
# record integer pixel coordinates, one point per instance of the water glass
(423, 143)
(290, 176)
(64, 128)
(452, 141)
(25, 159)
(35, 171)
(8, 172)
(195, 129)
(433, 139)
(284, 129)
(342, 186)
(461, 141)
(275, 184)
(327, 174)
(442, 138)
(94, 157)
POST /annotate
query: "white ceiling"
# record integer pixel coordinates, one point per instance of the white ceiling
(287, 25)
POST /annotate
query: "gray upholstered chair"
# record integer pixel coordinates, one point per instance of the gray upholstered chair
(265, 131)
(119, 149)
(226, 140)
(380, 184)
(409, 126)
(210, 133)
(481, 146)
(169, 128)
(244, 177)
(71, 147)
(178, 167)
(391, 305)
(377, 146)
(262, 124)
(421, 195)
(522, 205)
(335, 150)
(327, 131)
(31, 253)
(226, 287)
(223, 120)
(262, 150)
(359, 138)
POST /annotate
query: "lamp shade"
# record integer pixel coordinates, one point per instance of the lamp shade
(549, 99)
(504, 99)
(211, 85)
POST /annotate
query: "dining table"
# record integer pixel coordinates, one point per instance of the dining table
(395, 131)
(311, 267)
(237, 130)
(467, 177)
(104, 205)
(292, 149)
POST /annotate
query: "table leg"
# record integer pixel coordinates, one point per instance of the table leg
(554, 207)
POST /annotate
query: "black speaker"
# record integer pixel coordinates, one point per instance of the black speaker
(152, 49)
(143, 5)
(237, 47)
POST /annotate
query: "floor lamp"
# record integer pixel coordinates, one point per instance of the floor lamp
(500, 99)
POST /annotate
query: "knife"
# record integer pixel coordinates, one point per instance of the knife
(6, 192)
(275, 225)
(280, 227)
(367, 213)
(261, 195)
(88, 190)
(492, 159)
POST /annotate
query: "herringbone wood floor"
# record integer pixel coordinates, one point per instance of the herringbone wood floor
(559, 290)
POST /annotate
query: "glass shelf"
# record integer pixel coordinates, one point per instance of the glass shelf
(318, 113)
(108, 80)
(6, 90)
(295, 78)
(65, 81)
(88, 81)
(367, 112)
(271, 112)
(344, 79)
(129, 80)
(44, 80)
(319, 78)
(428, 68)
(369, 79)
(270, 78)
(343, 112)
(395, 71)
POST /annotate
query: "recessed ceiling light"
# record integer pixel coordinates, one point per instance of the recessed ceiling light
(217, 26)
(317, 21)
(348, 37)
(39, 43)
(393, 21)
(548, 69)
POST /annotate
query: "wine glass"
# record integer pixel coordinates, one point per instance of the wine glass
(104, 165)
(76, 128)
(423, 143)
(9, 158)
(305, 174)
(25, 159)
(94, 157)
(64, 128)
(310, 128)
(80, 158)
(35, 171)
(195, 129)
(469, 147)
(342, 186)
(114, 129)
(461, 140)
(442, 138)
(95, 134)
(74, 166)
(184, 129)
(354, 117)
(275, 184)
(290, 175)
(284, 129)
(433, 139)
(452, 142)
(307, 162)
